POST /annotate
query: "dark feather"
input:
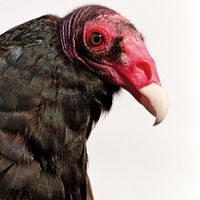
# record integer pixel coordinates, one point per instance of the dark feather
(47, 109)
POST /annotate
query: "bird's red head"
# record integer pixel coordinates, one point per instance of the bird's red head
(109, 45)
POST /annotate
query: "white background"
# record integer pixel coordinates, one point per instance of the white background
(128, 158)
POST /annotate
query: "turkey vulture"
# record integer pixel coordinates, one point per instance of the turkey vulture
(57, 75)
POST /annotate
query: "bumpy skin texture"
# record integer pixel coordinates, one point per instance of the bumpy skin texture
(47, 108)
(57, 75)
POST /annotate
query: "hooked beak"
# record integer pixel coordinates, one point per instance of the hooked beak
(140, 78)
(153, 98)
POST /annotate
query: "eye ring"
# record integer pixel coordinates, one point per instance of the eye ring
(96, 39)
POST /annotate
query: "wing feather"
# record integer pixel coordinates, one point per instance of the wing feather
(29, 111)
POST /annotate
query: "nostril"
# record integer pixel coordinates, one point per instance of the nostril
(144, 69)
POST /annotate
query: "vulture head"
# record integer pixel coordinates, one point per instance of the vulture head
(102, 41)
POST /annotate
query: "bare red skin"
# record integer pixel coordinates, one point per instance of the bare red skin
(137, 68)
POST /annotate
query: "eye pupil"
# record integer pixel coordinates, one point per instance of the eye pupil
(96, 39)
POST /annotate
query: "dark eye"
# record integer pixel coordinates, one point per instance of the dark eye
(96, 39)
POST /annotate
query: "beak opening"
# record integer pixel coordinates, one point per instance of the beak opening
(139, 77)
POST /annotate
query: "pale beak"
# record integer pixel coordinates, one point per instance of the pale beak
(154, 99)
(139, 76)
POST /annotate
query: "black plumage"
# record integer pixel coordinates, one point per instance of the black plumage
(57, 75)
(47, 109)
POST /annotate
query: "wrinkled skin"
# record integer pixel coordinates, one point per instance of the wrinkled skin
(54, 85)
